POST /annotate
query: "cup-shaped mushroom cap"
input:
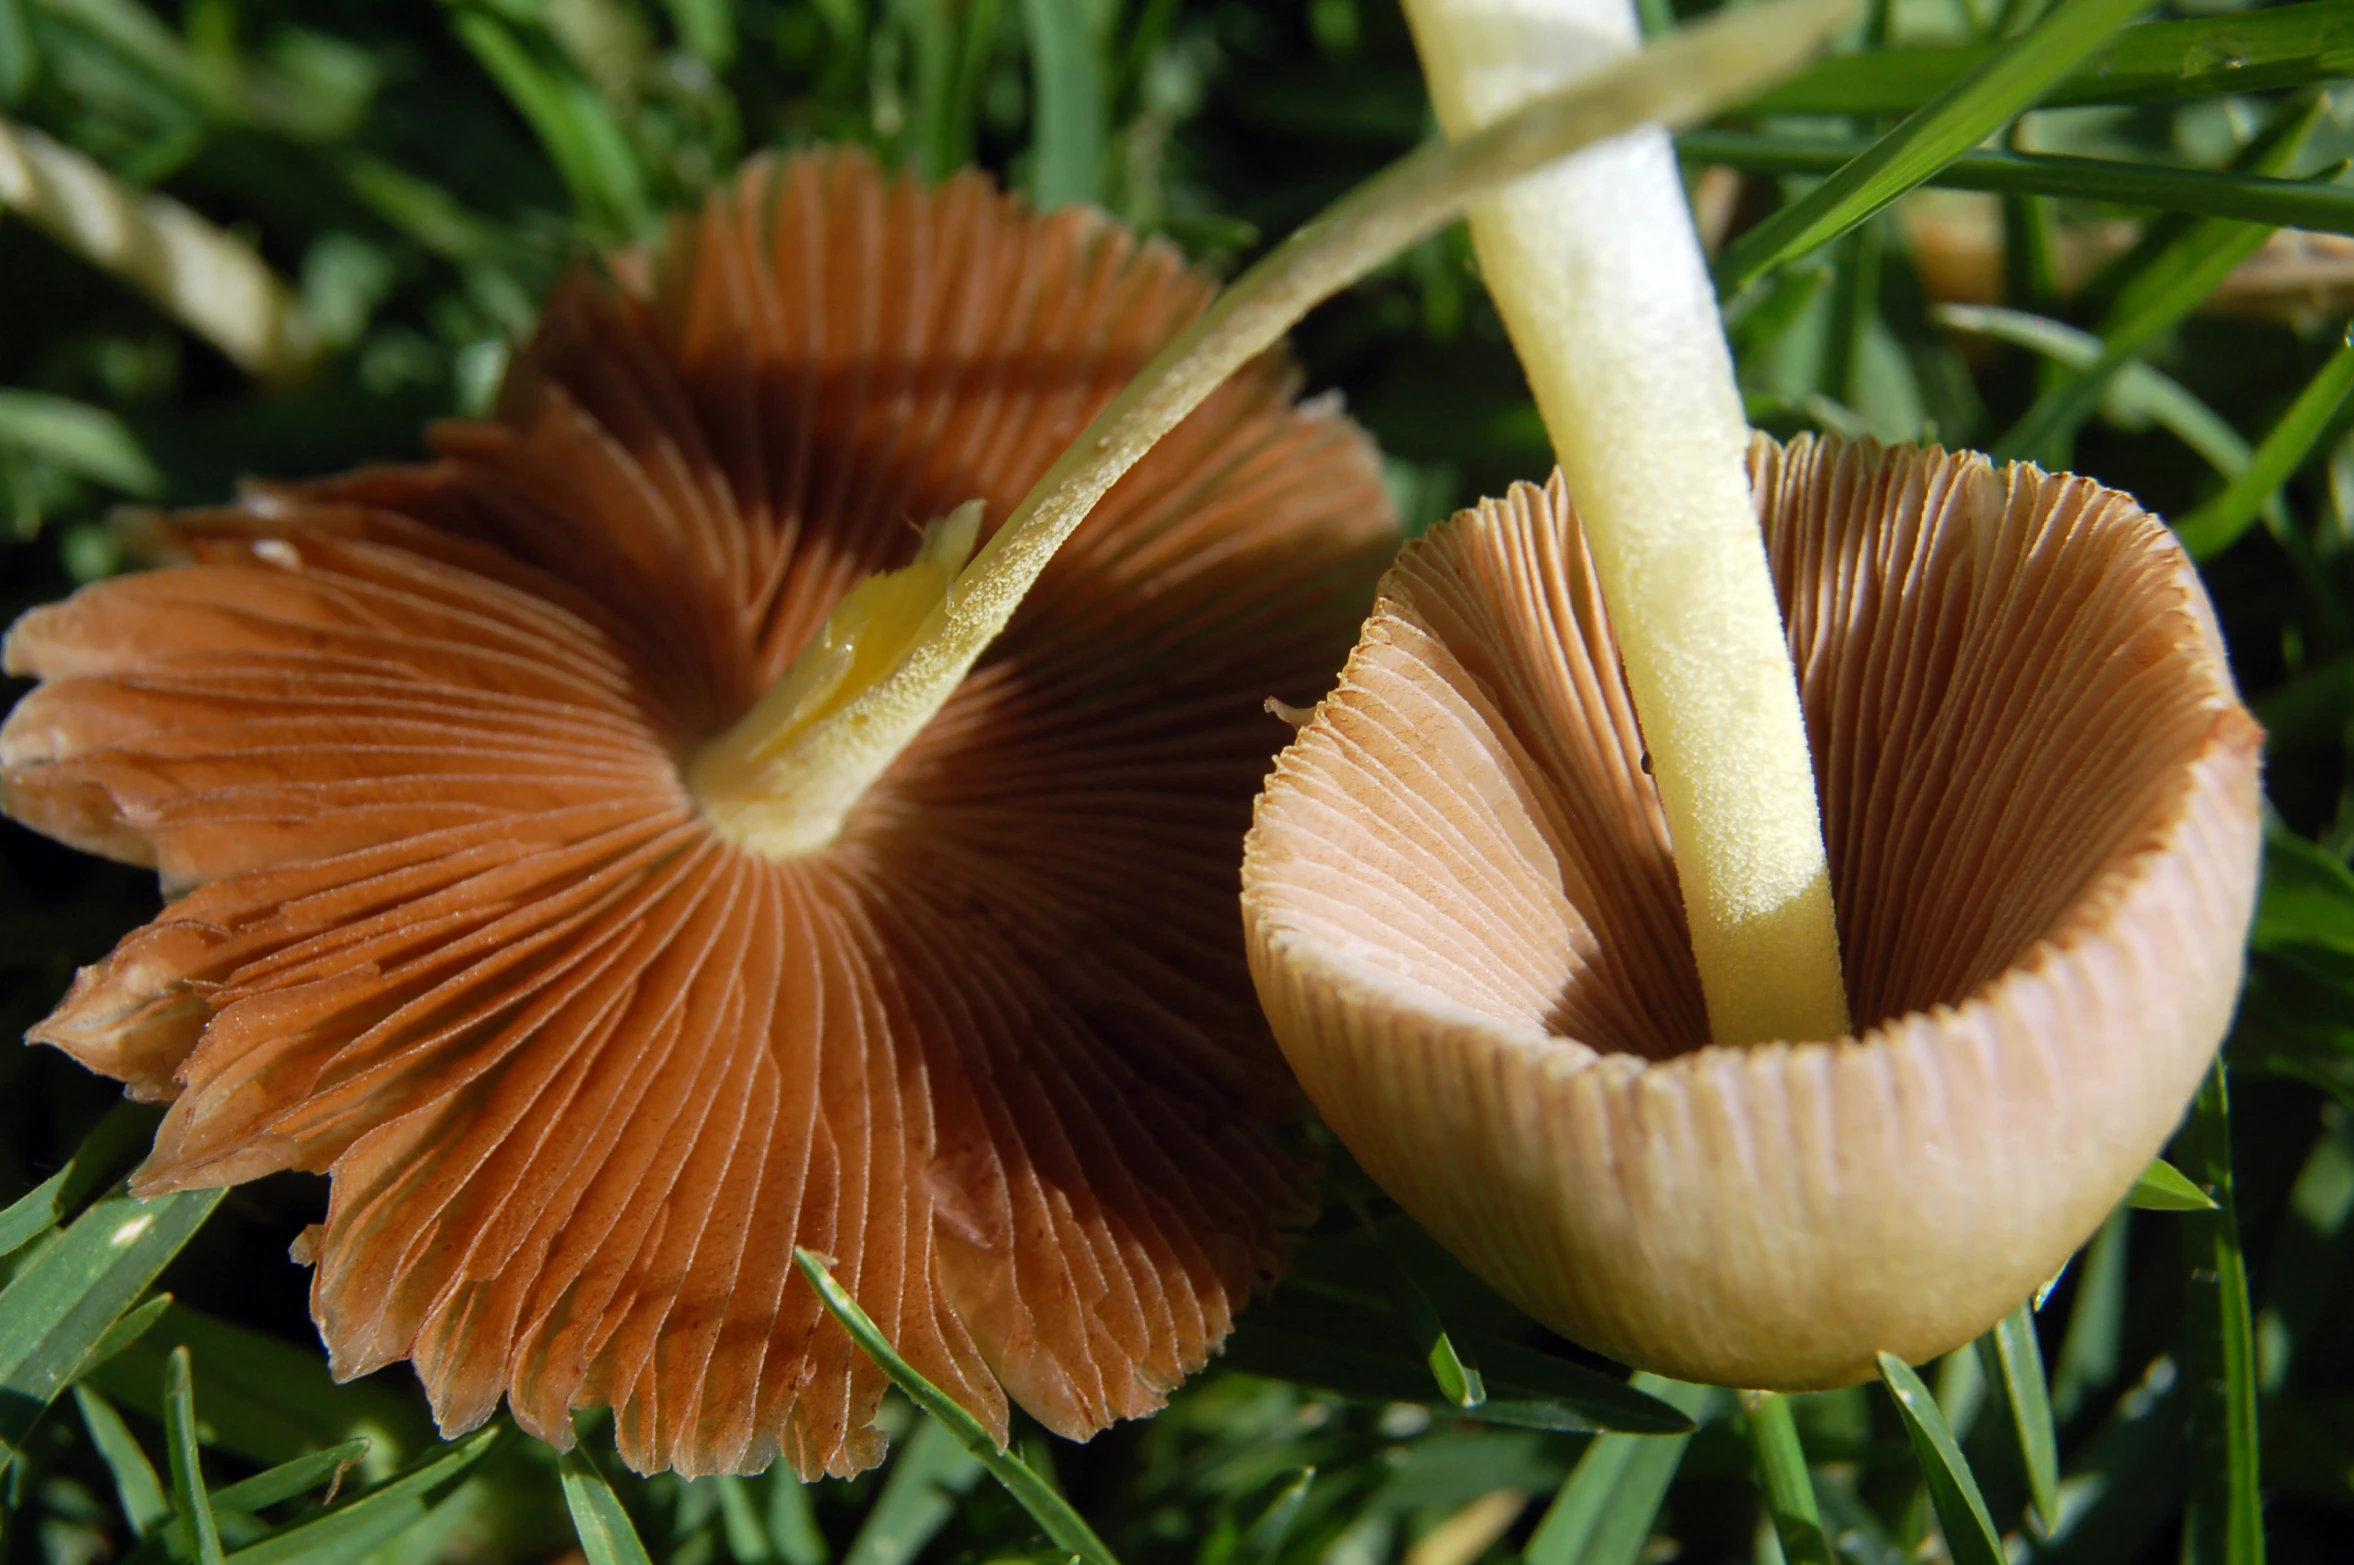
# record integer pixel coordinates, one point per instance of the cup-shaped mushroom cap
(2040, 796)
(582, 1069)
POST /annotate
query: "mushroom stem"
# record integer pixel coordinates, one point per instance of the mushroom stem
(1601, 282)
(784, 779)
(209, 281)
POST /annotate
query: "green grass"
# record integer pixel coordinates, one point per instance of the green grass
(417, 174)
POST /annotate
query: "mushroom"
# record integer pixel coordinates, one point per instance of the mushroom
(1620, 1079)
(2040, 795)
(412, 748)
(628, 848)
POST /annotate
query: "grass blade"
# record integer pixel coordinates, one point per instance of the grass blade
(421, 210)
(2164, 1188)
(747, 1540)
(2019, 1359)
(195, 1506)
(791, 1525)
(1622, 1532)
(2307, 899)
(19, 61)
(2031, 260)
(288, 1479)
(1601, 1400)
(2310, 1262)
(2217, 525)
(1264, 1541)
(706, 29)
(32, 1213)
(1070, 124)
(135, 1483)
(1395, 1377)
(2224, 1524)
(2135, 393)
(352, 1529)
(2146, 288)
(1950, 124)
(1854, 310)
(119, 1139)
(1356, 1349)
(79, 438)
(2090, 1351)
(1970, 1535)
(1063, 1526)
(573, 125)
(122, 1336)
(959, 126)
(267, 1400)
(2309, 710)
(1960, 1390)
(2125, 1484)
(921, 1493)
(57, 1311)
(606, 1535)
(1782, 1474)
(1457, 1376)
(2160, 290)
(1616, 1489)
(929, 33)
(2153, 62)
(142, 38)
(2253, 198)
(1569, 1522)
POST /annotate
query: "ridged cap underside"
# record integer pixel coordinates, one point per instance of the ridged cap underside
(583, 1072)
(2040, 799)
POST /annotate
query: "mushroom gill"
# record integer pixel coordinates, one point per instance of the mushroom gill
(412, 745)
(2040, 796)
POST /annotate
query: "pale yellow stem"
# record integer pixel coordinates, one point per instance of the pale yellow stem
(209, 281)
(788, 792)
(1600, 279)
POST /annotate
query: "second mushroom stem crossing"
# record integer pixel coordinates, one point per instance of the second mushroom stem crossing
(1601, 282)
(1635, 384)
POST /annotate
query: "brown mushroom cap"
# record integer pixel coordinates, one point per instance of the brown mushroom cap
(584, 1072)
(2040, 796)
